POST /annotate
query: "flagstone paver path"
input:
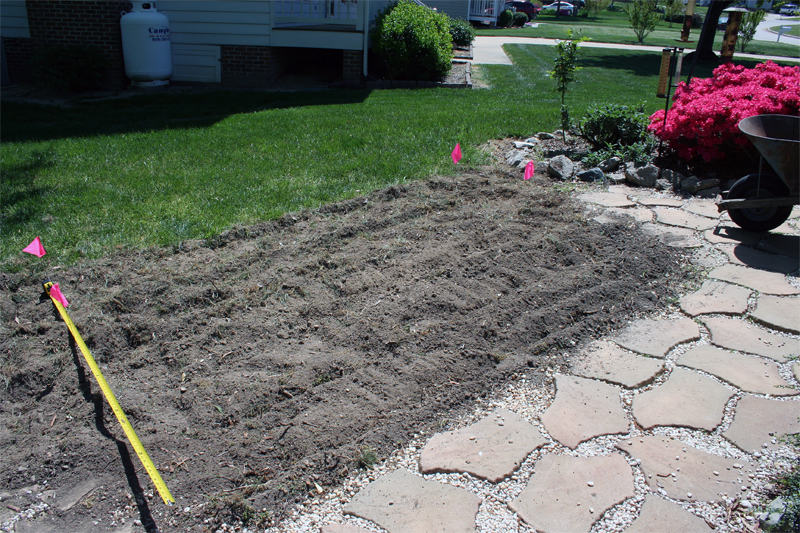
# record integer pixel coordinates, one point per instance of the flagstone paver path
(660, 427)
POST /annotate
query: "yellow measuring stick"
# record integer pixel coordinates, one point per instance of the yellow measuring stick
(112, 401)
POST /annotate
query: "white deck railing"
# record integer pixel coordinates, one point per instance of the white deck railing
(485, 9)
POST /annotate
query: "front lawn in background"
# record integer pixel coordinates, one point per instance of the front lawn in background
(157, 170)
(611, 27)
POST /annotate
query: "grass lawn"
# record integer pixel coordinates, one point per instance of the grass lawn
(156, 170)
(794, 31)
(612, 27)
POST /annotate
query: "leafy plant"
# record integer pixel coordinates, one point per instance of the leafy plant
(747, 30)
(672, 8)
(505, 18)
(593, 7)
(615, 125)
(74, 67)
(519, 19)
(413, 41)
(565, 67)
(367, 457)
(703, 121)
(643, 17)
(462, 32)
(639, 152)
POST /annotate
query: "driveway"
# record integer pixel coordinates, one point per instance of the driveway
(763, 32)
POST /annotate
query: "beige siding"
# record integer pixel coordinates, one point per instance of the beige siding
(240, 22)
(14, 19)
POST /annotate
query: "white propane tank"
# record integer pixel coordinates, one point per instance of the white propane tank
(146, 46)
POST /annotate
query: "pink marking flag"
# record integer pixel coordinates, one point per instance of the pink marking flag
(55, 293)
(35, 248)
(529, 169)
(456, 154)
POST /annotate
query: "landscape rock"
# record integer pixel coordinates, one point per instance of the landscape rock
(662, 184)
(516, 158)
(616, 178)
(686, 399)
(771, 518)
(703, 475)
(591, 175)
(643, 176)
(519, 145)
(532, 140)
(402, 502)
(561, 168)
(708, 193)
(544, 136)
(693, 184)
(559, 497)
(610, 165)
(673, 177)
(491, 449)
(583, 409)
(757, 421)
(657, 337)
(662, 516)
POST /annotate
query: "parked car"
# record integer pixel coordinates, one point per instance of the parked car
(532, 10)
(722, 25)
(788, 9)
(564, 9)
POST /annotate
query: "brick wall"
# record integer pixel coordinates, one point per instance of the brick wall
(66, 22)
(352, 66)
(251, 66)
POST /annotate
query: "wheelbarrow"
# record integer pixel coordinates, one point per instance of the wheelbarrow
(763, 201)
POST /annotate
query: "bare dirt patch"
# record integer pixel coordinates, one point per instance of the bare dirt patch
(259, 367)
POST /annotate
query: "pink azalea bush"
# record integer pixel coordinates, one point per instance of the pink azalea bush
(703, 121)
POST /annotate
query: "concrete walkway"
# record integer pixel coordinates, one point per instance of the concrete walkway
(488, 50)
(763, 32)
(670, 424)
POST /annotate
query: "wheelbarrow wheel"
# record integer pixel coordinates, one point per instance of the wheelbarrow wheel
(759, 218)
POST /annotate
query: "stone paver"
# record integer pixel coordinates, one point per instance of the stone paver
(583, 409)
(745, 337)
(672, 236)
(682, 219)
(343, 528)
(638, 214)
(697, 475)
(786, 228)
(704, 208)
(491, 449)
(732, 235)
(782, 313)
(746, 372)
(657, 337)
(607, 199)
(781, 244)
(796, 371)
(568, 494)
(758, 421)
(746, 256)
(662, 516)
(765, 282)
(401, 502)
(661, 202)
(686, 399)
(716, 297)
(609, 363)
(68, 498)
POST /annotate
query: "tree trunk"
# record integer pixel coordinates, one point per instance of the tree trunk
(705, 44)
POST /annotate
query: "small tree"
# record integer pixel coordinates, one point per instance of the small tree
(643, 17)
(747, 29)
(593, 7)
(672, 9)
(565, 67)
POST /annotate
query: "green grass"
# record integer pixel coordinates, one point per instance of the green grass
(794, 31)
(156, 170)
(612, 27)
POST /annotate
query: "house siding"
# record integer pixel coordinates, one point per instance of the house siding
(457, 9)
(14, 19)
(240, 23)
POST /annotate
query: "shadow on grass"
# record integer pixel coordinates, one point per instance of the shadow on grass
(19, 193)
(22, 121)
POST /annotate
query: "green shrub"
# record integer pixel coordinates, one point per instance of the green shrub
(413, 41)
(640, 152)
(614, 125)
(505, 19)
(697, 19)
(520, 19)
(73, 67)
(462, 32)
(616, 9)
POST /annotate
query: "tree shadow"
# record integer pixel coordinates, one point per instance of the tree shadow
(145, 516)
(19, 193)
(25, 121)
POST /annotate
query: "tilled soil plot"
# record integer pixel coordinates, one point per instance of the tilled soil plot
(264, 365)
